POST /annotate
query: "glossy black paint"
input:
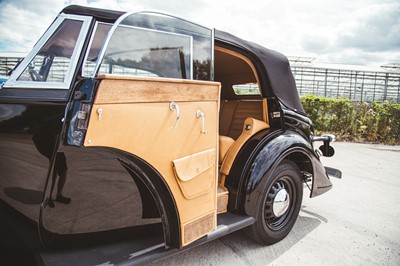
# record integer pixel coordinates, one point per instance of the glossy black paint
(100, 186)
(24, 167)
(160, 193)
(298, 123)
(105, 202)
(290, 145)
(260, 156)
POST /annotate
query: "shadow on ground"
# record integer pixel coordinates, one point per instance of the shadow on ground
(24, 195)
(238, 249)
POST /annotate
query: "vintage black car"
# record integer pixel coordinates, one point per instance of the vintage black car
(127, 137)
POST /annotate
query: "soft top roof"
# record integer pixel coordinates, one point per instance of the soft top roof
(99, 14)
(275, 75)
(273, 68)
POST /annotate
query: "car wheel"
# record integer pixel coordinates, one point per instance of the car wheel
(280, 205)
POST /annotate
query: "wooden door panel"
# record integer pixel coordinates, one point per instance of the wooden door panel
(145, 126)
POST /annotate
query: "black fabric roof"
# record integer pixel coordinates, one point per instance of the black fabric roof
(99, 14)
(273, 67)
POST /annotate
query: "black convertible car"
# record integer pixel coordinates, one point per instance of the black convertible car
(127, 137)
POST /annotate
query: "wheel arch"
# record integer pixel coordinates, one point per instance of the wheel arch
(271, 151)
(163, 199)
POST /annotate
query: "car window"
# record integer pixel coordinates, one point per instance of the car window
(96, 44)
(52, 61)
(143, 52)
(154, 44)
(246, 89)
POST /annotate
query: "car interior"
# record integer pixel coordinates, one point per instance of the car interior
(242, 114)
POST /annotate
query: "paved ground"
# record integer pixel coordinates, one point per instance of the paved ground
(356, 223)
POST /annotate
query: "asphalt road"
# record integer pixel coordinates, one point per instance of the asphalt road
(355, 223)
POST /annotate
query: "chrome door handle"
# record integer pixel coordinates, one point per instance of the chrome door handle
(175, 107)
(200, 114)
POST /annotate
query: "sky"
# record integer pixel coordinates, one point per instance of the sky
(362, 32)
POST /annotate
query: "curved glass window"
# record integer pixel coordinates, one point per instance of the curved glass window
(156, 45)
(144, 52)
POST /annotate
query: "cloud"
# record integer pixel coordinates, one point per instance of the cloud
(369, 34)
(365, 31)
(182, 8)
(24, 21)
(375, 28)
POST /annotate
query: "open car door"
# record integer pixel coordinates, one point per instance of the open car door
(173, 126)
(147, 105)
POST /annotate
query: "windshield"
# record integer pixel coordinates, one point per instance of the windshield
(51, 63)
(54, 58)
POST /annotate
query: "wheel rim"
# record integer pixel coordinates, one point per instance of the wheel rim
(279, 204)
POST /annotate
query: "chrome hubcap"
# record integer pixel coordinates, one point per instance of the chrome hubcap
(281, 203)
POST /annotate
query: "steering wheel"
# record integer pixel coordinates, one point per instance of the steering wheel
(34, 75)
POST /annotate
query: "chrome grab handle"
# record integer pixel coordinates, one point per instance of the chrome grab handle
(175, 107)
(200, 114)
(100, 112)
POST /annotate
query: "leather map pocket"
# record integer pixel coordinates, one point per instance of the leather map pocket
(195, 173)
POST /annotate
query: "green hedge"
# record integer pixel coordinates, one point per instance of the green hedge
(354, 121)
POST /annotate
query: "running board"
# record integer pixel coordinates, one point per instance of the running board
(226, 224)
(140, 251)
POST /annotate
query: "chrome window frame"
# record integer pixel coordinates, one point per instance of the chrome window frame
(121, 18)
(107, 41)
(90, 46)
(12, 82)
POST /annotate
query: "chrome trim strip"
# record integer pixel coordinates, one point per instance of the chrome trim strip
(107, 41)
(212, 55)
(88, 49)
(191, 56)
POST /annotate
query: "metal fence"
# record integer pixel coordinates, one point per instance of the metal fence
(357, 83)
(8, 61)
(354, 85)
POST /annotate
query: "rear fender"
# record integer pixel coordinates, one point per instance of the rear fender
(271, 151)
(162, 195)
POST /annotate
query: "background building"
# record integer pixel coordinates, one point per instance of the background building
(355, 82)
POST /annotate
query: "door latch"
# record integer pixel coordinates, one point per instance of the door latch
(175, 107)
(100, 112)
(200, 115)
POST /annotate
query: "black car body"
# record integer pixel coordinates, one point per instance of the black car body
(126, 137)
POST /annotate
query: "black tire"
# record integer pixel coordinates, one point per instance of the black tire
(270, 227)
